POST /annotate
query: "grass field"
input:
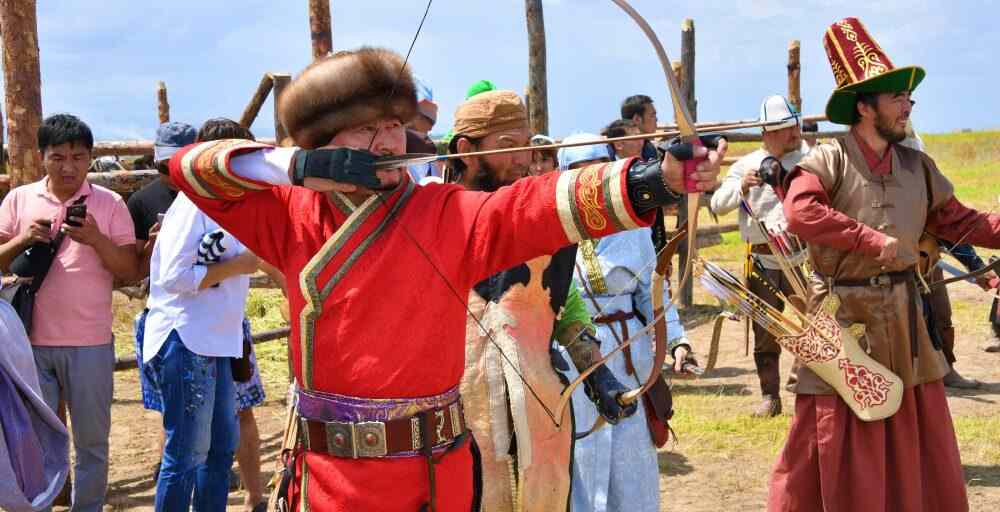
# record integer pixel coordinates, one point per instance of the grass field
(721, 458)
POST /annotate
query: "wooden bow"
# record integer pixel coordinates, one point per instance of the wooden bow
(665, 252)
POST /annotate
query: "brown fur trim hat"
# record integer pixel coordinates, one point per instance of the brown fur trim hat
(346, 89)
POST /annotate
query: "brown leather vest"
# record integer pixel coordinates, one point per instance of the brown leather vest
(897, 205)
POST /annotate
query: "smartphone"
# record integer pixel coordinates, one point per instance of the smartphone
(74, 212)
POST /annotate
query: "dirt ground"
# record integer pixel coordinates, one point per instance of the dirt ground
(715, 465)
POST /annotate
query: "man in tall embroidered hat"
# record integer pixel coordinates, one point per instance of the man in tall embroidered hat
(525, 454)
(861, 203)
(380, 416)
(766, 280)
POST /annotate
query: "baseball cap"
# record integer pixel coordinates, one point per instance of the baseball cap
(171, 137)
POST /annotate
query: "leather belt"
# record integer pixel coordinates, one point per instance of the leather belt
(760, 249)
(398, 437)
(617, 316)
(621, 318)
(880, 281)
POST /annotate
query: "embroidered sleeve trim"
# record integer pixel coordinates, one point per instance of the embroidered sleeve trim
(206, 169)
(593, 201)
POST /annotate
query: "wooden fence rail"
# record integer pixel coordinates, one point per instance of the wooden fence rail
(128, 361)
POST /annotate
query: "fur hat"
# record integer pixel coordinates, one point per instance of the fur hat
(347, 89)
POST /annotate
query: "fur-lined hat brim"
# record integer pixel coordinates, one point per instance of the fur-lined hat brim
(344, 90)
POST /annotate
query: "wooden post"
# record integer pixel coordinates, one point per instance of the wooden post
(23, 98)
(538, 114)
(527, 100)
(163, 107)
(794, 91)
(280, 80)
(686, 77)
(687, 66)
(253, 108)
(320, 28)
(3, 150)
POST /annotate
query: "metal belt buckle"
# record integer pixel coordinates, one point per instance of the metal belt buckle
(363, 439)
(881, 280)
(340, 439)
(369, 439)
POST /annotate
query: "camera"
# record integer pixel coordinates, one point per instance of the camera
(772, 172)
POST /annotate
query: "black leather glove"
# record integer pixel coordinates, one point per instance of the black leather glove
(604, 389)
(684, 150)
(646, 189)
(342, 165)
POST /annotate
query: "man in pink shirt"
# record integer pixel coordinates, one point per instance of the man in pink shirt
(71, 327)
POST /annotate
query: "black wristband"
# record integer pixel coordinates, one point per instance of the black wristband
(646, 189)
(342, 165)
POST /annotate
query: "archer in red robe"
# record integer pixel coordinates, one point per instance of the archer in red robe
(378, 284)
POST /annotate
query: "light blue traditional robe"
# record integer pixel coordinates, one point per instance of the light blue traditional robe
(615, 468)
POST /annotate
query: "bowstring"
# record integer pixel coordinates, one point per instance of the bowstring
(427, 257)
(402, 69)
(472, 315)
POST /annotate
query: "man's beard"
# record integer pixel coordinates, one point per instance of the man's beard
(488, 179)
(887, 130)
(793, 145)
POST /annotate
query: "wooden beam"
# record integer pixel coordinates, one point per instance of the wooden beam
(22, 84)
(794, 71)
(259, 96)
(706, 125)
(756, 137)
(122, 147)
(125, 183)
(163, 106)
(281, 80)
(538, 113)
(128, 361)
(320, 28)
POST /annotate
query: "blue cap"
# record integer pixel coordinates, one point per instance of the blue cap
(572, 155)
(170, 137)
(424, 91)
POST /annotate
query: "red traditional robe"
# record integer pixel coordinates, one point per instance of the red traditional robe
(371, 316)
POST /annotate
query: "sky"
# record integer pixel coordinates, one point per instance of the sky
(102, 60)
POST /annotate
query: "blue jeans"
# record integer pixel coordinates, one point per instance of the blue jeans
(199, 417)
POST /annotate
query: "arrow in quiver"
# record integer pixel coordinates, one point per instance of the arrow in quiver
(818, 340)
